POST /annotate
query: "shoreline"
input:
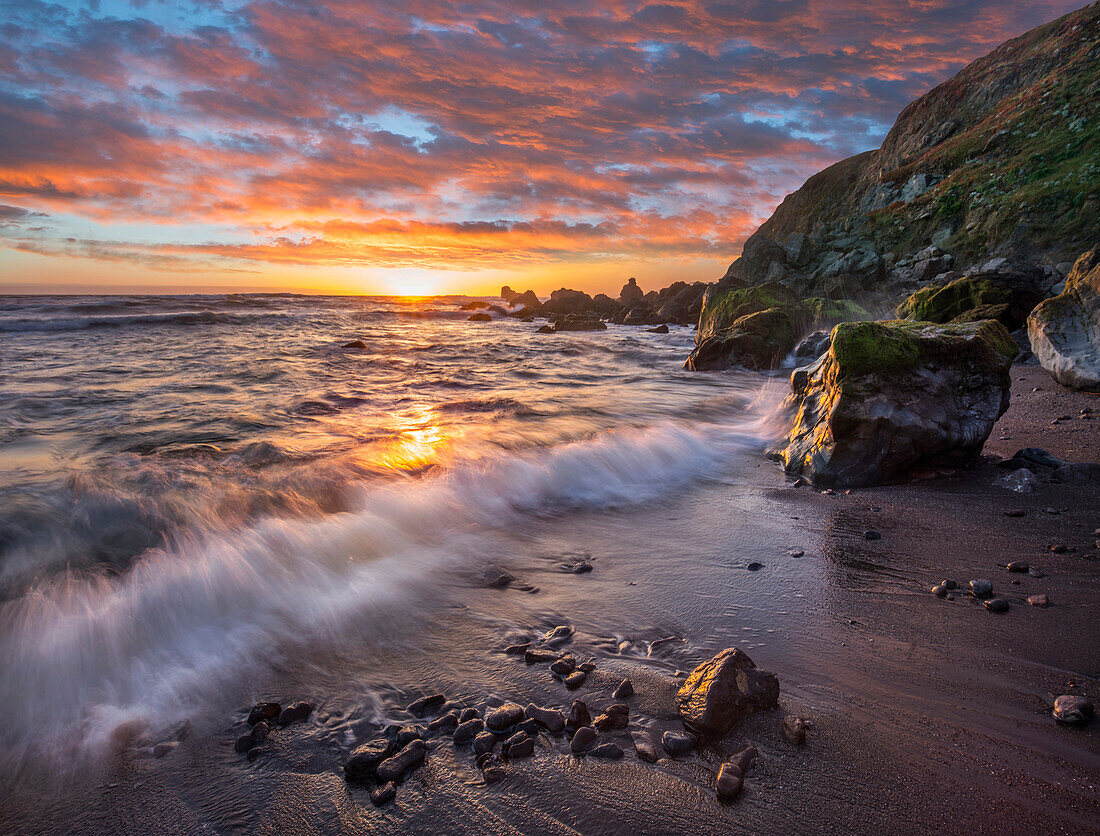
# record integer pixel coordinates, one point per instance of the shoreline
(926, 711)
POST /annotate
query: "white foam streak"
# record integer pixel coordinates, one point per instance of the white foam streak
(80, 655)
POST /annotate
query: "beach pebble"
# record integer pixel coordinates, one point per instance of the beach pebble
(745, 757)
(264, 711)
(407, 734)
(444, 722)
(996, 605)
(583, 739)
(624, 646)
(677, 743)
(411, 756)
(730, 781)
(1017, 566)
(796, 552)
(949, 584)
(504, 717)
(1058, 548)
(564, 666)
(517, 649)
(254, 753)
(575, 680)
(578, 715)
(294, 712)
(558, 635)
(364, 760)
(587, 666)
(1038, 600)
(616, 716)
(1035, 573)
(794, 730)
(484, 742)
(519, 745)
(494, 774)
(537, 655)
(754, 566)
(1015, 512)
(467, 731)
(871, 535)
(1072, 710)
(549, 718)
(607, 751)
(383, 794)
(426, 705)
(644, 747)
(165, 748)
(939, 590)
(625, 689)
(498, 578)
(981, 588)
(260, 731)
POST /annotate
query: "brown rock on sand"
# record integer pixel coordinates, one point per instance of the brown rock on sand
(722, 690)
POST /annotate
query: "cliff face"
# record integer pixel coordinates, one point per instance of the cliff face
(1001, 161)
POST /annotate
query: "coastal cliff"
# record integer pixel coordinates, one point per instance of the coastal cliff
(1000, 162)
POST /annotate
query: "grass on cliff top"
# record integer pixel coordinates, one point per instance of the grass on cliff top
(1029, 172)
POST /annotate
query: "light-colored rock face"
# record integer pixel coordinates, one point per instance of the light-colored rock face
(1065, 331)
(890, 396)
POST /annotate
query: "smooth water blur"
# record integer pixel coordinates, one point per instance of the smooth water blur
(186, 479)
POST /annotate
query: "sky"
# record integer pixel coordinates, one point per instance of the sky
(428, 146)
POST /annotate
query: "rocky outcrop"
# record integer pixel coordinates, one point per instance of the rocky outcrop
(565, 301)
(758, 326)
(1005, 297)
(724, 689)
(631, 292)
(964, 176)
(891, 396)
(1065, 331)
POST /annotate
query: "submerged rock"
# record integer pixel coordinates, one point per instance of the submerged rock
(722, 690)
(426, 705)
(1065, 331)
(294, 712)
(264, 711)
(891, 396)
(480, 317)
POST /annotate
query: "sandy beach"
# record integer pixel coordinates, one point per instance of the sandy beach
(926, 714)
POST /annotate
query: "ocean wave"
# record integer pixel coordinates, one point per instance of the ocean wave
(83, 654)
(80, 323)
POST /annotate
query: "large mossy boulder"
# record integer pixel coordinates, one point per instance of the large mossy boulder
(757, 327)
(972, 299)
(891, 396)
(1065, 331)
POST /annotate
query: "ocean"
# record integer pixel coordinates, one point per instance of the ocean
(197, 490)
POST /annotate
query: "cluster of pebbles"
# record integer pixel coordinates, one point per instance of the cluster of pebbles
(497, 736)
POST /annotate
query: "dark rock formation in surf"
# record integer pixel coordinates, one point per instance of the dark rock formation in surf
(891, 396)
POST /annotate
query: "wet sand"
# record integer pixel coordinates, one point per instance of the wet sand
(928, 715)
